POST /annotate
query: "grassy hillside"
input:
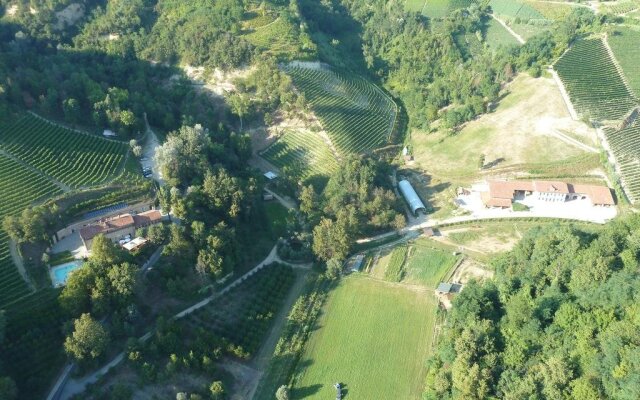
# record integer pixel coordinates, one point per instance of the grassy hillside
(441, 8)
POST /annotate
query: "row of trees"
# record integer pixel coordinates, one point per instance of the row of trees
(560, 321)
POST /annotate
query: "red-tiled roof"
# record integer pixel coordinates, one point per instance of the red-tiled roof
(499, 191)
(107, 226)
(599, 195)
(147, 218)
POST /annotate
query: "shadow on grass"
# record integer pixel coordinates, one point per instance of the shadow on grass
(304, 392)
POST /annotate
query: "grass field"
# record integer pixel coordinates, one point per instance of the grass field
(426, 265)
(374, 338)
(395, 269)
(496, 35)
(415, 5)
(624, 42)
(442, 8)
(517, 135)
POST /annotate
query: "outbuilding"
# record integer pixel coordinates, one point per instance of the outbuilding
(411, 197)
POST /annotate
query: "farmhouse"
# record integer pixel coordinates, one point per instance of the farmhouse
(501, 194)
(119, 227)
(411, 196)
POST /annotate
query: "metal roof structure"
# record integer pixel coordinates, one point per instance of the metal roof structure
(411, 196)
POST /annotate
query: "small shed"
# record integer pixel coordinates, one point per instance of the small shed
(108, 133)
(266, 196)
(428, 232)
(444, 288)
(270, 175)
(411, 196)
(356, 264)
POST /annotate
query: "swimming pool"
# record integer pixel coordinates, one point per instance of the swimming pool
(60, 273)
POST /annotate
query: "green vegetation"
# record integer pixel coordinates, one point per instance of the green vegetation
(594, 85)
(373, 338)
(625, 144)
(415, 5)
(427, 265)
(442, 8)
(514, 9)
(357, 115)
(496, 35)
(624, 43)
(621, 7)
(73, 158)
(19, 187)
(559, 321)
(394, 271)
(304, 151)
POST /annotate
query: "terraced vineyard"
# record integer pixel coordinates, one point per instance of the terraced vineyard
(19, 187)
(305, 151)
(72, 158)
(624, 44)
(356, 114)
(625, 145)
(593, 82)
(622, 7)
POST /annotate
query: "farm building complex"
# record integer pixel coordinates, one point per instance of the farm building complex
(119, 227)
(502, 194)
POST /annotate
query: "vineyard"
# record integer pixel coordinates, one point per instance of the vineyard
(356, 114)
(596, 88)
(72, 158)
(243, 316)
(305, 151)
(624, 43)
(19, 187)
(33, 342)
(622, 7)
(625, 145)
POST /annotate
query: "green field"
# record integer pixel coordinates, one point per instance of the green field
(277, 37)
(427, 265)
(303, 150)
(514, 9)
(73, 158)
(357, 115)
(442, 8)
(496, 35)
(374, 338)
(624, 42)
(592, 81)
(415, 5)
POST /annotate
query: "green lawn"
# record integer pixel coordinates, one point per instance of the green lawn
(374, 338)
(414, 5)
(427, 265)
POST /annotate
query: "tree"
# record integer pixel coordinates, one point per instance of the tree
(330, 240)
(282, 393)
(89, 339)
(239, 103)
(334, 267)
(104, 252)
(8, 389)
(217, 390)
(71, 108)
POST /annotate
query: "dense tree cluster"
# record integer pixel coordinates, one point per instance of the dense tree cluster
(355, 202)
(560, 321)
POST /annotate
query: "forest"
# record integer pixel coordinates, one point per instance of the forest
(559, 321)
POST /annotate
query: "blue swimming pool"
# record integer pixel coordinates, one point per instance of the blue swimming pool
(60, 273)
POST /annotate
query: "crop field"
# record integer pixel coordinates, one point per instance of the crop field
(625, 145)
(624, 43)
(552, 11)
(72, 158)
(442, 8)
(303, 150)
(622, 7)
(373, 337)
(593, 82)
(19, 187)
(278, 37)
(32, 348)
(357, 115)
(514, 9)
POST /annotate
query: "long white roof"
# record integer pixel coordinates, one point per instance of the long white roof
(410, 195)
